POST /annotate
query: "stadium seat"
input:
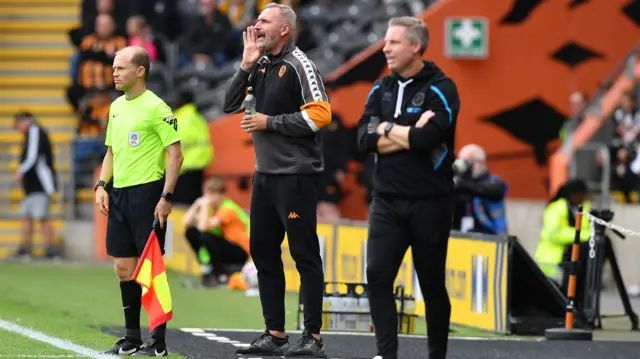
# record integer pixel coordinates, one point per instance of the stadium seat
(201, 70)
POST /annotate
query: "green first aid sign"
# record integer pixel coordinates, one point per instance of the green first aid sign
(467, 37)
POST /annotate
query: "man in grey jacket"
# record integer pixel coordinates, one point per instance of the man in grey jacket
(292, 106)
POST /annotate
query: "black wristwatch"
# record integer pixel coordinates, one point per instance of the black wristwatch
(100, 183)
(168, 196)
(387, 128)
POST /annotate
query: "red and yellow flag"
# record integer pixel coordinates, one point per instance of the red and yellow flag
(151, 275)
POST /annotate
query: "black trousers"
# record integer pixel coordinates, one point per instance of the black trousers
(279, 204)
(189, 187)
(394, 225)
(226, 257)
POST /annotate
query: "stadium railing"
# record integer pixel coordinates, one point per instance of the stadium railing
(587, 126)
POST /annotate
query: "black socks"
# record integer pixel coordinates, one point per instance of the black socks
(131, 293)
(159, 331)
(131, 304)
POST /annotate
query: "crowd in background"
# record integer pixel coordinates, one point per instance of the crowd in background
(212, 36)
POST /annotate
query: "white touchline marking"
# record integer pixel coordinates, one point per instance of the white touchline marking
(203, 334)
(192, 330)
(40, 356)
(360, 334)
(56, 342)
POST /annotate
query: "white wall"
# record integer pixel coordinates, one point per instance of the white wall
(524, 219)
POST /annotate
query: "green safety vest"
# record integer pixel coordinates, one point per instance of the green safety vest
(197, 149)
(557, 234)
(244, 217)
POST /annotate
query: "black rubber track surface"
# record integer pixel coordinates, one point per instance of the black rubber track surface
(221, 344)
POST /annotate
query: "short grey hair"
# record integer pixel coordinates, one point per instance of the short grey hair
(416, 30)
(287, 13)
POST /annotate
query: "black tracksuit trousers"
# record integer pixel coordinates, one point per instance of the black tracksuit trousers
(279, 204)
(394, 225)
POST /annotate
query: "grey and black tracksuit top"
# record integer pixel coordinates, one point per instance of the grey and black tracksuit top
(289, 89)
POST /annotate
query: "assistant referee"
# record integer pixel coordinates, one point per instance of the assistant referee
(141, 128)
(409, 123)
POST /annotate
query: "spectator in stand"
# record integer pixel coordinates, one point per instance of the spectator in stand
(96, 59)
(241, 13)
(335, 147)
(140, 35)
(577, 101)
(624, 147)
(119, 11)
(162, 16)
(95, 114)
(210, 38)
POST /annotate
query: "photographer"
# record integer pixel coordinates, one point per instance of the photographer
(480, 195)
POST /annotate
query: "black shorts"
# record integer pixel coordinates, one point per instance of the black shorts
(131, 218)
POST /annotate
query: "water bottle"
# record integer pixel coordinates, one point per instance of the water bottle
(250, 102)
(335, 306)
(350, 305)
(364, 318)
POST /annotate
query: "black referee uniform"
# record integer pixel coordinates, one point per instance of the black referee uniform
(289, 161)
(412, 200)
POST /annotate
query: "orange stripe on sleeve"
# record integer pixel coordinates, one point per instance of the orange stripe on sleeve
(319, 112)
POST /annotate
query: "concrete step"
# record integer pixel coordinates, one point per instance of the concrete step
(12, 210)
(7, 250)
(30, 45)
(13, 166)
(39, 65)
(69, 128)
(50, 52)
(17, 194)
(62, 108)
(38, 24)
(33, 100)
(36, 80)
(14, 149)
(33, 37)
(50, 121)
(13, 10)
(38, 3)
(14, 225)
(26, 94)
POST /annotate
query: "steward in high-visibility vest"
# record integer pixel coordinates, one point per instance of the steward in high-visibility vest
(197, 150)
(558, 229)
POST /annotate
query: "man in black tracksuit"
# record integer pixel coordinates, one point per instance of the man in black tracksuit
(292, 106)
(409, 123)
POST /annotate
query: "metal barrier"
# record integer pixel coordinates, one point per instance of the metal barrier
(584, 165)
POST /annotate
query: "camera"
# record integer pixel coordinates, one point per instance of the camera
(461, 167)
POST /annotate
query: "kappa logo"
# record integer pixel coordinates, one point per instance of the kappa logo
(134, 139)
(293, 215)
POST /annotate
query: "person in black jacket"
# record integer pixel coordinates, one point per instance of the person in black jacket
(36, 174)
(409, 122)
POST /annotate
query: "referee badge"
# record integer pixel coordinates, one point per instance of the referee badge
(134, 139)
